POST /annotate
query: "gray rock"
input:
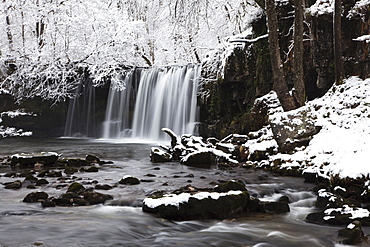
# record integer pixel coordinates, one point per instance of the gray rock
(293, 129)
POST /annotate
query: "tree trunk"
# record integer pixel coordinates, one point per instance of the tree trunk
(280, 86)
(298, 53)
(8, 31)
(338, 41)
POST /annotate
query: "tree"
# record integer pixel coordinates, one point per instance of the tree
(298, 53)
(337, 28)
(279, 84)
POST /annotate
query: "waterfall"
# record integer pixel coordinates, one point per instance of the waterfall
(146, 100)
(80, 116)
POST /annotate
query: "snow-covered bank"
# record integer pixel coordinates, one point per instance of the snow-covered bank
(342, 145)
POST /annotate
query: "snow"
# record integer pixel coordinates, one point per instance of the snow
(321, 7)
(351, 226)
(342, 146)
(176, 200)
(365, 38)
(355, 213)
(31, 155)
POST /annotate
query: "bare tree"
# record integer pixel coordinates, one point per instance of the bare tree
(280, 85)
(298, 53)
(338, 41)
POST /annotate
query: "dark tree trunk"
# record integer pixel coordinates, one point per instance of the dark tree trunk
(298, 52)
(280, 86)
(338, 41)
(8, 31)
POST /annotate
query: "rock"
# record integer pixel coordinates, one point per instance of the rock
(92, 159)
(201, 205)
(353, 233)
(48, 204)
(274, 207)
(13, 185)
(198, 158)
(96, 198)
(92, 169)
(46, 158)
(75, 162)
(129, 180)
(41, 182)
(76, 187)
(36, 197)
(70, 170)
(230, 185)
(293, 129)
(31, 178)
(103, 187)
(159, 155)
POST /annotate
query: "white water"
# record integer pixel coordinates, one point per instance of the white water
(165, 98)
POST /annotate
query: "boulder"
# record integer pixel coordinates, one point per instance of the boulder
(30, 159)
(294, 128)
(200, 205)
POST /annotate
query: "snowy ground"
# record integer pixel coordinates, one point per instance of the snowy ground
(343, 144)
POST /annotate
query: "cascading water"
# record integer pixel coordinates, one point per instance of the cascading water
(80, 117)
(164, 97)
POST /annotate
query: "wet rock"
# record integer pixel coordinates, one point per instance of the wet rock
(198, 158)
(201, 205)
(159, 155)
(48, 203)
(353, 233)
(96, 198)
(54, 174)
(70, 170)
(46, 158)
(129, 180)
(92, 159)
(36, 197)
(75, 162)
(31, 178)
(103, 187)
(13, 185)
(76, 187)
(41, 182)
(274, 207)
(293, 129)
(230, 185)
(92, 169)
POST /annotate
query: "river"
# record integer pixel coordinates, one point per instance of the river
(122, 223)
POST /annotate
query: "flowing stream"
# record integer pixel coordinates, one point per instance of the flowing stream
(121, 222)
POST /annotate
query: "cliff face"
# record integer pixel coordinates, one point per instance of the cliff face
(244, 72)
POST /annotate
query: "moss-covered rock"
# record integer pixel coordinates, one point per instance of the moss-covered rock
(76, 187)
